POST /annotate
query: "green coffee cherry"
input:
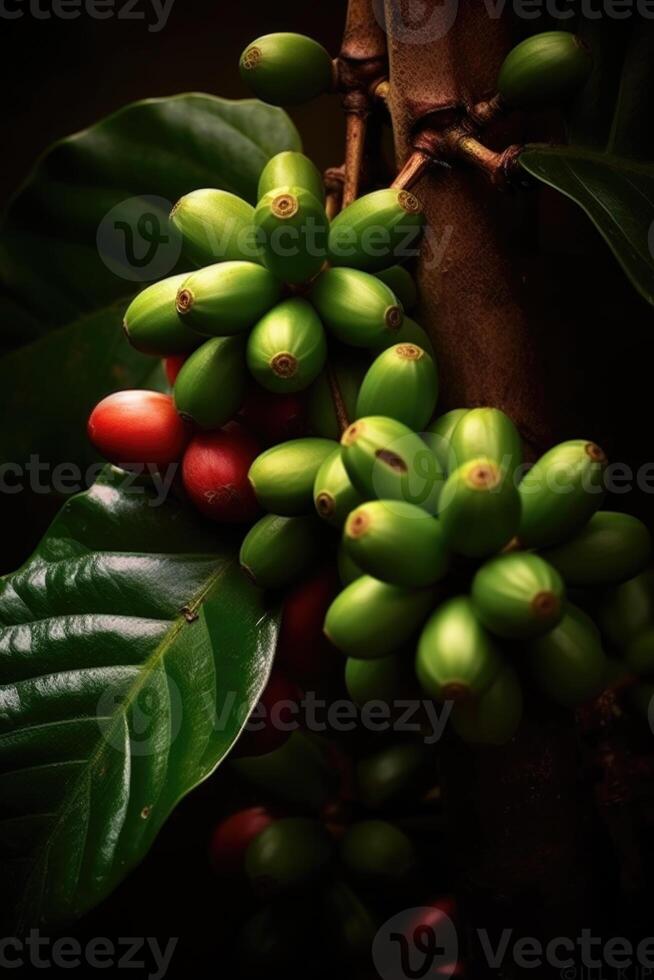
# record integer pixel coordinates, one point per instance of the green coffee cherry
(215, 226)
(292, 232)
(286, 69)
(348, 570)
(227, 298)
(333, 494)
(487, 432)
(287, 855)
(545, 69)
(438, 437)
(479, 509)
(402, 384)
(518, 596)
(297, 773)
(287, 349)
(370, 619)
(377, 851)
(283, 477)
(610, 548)
(561, 492)
(386, 460)
(279, 550)
(628, 609)
(456, 657)
(376, 231)
(348, 923)
(569, 663)
(374, 680)
(210, 387)
(493, 718)
(291, 169)
(152, 324)
(639, 654)
(356, 307)
(402, 283)
(321, 414)
(409, 333)
(393, 775)
(397, 543)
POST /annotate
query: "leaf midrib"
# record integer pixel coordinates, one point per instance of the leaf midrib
(41, 852)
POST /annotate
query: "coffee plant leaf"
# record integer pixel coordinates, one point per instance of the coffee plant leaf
(617, 194)
(608, 166)
(90, 224)
(132, 650)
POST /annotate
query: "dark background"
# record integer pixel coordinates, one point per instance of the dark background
(57, 77)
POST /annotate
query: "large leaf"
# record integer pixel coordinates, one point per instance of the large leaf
(131, 651)
(608, 170)
(616, 194)
(53, 260)
(64, 240)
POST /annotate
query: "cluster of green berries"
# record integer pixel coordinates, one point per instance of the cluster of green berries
(350, 859)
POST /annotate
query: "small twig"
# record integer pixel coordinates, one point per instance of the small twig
(356, 127)
(484, 113)
(418, 163)
(337, 399)
(334, 179)
(457, 143)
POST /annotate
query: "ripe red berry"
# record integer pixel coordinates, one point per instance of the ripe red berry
(215, 474)
(142, 427)
(303, 651)
(231, 838)
(275, 418)
(173, 365)
(273, 720)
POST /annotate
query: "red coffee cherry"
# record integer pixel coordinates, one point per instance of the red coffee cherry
(269, 725)
(215, 474)
(142, 427)
(275, 418)
(303, 651)
(232, 837)
(173, 365)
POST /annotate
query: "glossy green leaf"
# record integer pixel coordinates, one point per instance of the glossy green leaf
(131, 651)
(53, 271)
(617, 195)
(608, 168)
(54, 248)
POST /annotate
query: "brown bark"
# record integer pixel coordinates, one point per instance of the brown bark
(524, 828)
